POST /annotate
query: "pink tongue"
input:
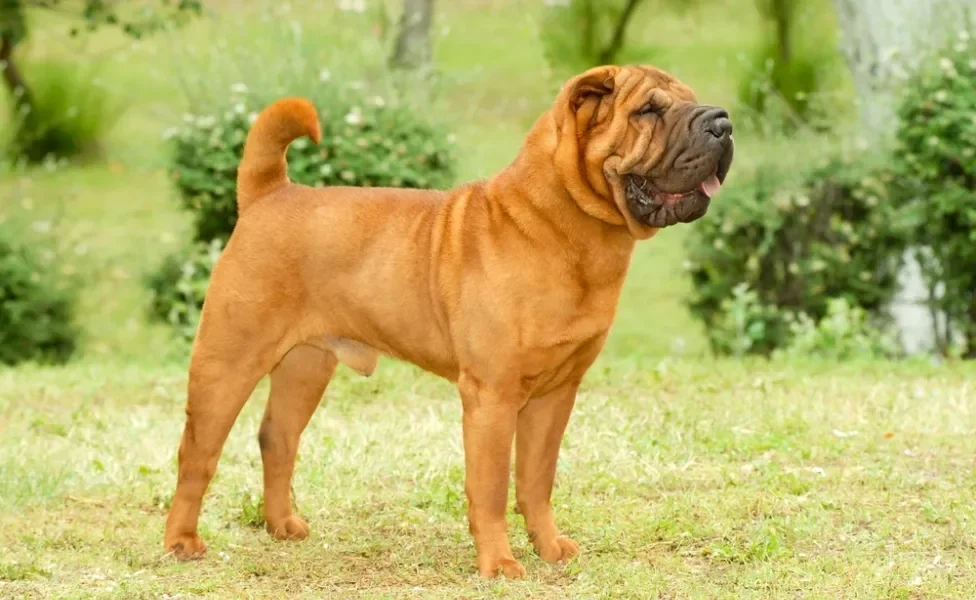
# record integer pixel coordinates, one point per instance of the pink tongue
(710, 186)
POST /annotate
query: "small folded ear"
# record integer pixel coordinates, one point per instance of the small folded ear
(582, 95)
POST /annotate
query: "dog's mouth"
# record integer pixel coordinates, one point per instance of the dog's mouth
(656, 208)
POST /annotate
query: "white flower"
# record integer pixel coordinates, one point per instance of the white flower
(354, 117)
(948, 66)
(188, 118)
(378, 101)
(170, 133)
(238, 88)
(356, 6)
(963, 35)
(325, 170)
(940, 96)
(325, 75)
(206, 122)
(239, 108)
(251, 118)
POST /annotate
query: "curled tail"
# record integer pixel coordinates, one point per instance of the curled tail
(263, 168)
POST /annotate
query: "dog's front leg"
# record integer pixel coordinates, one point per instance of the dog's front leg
(540, 431)
(490, 415)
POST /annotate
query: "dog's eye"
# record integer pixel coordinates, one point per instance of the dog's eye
(651, 108)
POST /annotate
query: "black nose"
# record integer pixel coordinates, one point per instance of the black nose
(718, 124)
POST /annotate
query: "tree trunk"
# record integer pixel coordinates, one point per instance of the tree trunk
(883, 41)
(413, 44)
(13, 79)
(608, 54)
(971, 331)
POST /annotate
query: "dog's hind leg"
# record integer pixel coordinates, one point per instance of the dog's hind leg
(232, 352)
(297, 385)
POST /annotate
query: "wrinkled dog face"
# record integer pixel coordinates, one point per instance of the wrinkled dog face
(664, 155)
(680, 186)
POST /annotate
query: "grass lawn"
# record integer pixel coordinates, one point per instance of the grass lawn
(681, 477)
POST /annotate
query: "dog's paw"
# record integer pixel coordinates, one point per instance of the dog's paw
(507, 567)
(186, 547)
(291, 527)
(559, 549)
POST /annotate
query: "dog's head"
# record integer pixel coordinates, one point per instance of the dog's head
(635, 148)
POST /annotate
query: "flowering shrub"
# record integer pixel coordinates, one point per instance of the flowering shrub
(180, 285)
(784, 244)
(935, 160)
(37, 308)
(366, 141)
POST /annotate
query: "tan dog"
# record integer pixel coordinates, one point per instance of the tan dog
(507, 287)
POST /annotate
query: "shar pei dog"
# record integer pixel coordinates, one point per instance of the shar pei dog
(507, 287)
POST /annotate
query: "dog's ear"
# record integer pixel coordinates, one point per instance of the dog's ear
(581, 96)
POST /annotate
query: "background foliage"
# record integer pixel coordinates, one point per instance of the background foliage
(37, 304)
(795, 241)
(935, 162)
(367, 140)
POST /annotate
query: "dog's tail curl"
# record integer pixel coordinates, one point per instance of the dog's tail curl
(263, 168)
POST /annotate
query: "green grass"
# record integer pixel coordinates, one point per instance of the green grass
(679, 479)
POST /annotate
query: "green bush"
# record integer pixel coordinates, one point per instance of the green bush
(69, 116)
(784, 244)
(180, 285)
(366, 141)
(935, 160)
(379, 127)
(37, 307)
(846, 332)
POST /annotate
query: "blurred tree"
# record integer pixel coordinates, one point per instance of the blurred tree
(609, 52)
(884, 41)
(413, 43)
(578, 34)
(86, 15)
(788, 66)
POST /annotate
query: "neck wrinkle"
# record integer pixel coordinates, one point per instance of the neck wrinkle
(531, 189)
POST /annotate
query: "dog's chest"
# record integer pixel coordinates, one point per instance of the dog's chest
(567, 333)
